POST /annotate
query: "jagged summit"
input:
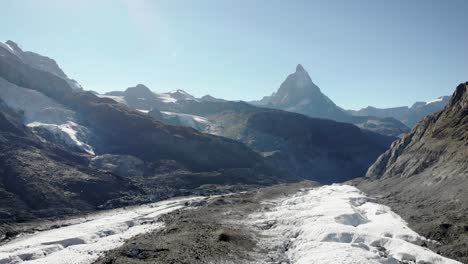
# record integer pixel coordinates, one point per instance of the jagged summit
(299, 68)
(298, 93)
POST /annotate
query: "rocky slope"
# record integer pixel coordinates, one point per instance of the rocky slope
(299, 94)
(38, 179)
(424, 176)
(319, 149)
(120, 130)
(407, 115)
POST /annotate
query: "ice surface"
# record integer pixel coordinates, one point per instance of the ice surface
(34, 106)
(339, 224)
(86, 241)
(67, 132)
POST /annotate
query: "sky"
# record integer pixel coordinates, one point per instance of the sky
(363, 52)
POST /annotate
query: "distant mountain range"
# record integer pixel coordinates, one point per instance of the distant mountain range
(84, 141)
(312, 148)
(300, 95)
(318, 149)
(407, 115)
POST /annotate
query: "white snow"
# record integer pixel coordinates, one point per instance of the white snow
(339, 224)
(166, 98)
(143, 111)
(68, 132)
(118, 99)
(435, 101)
(194, 121)
(86, 241)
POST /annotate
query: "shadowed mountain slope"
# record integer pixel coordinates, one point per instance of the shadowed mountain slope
(424, 176)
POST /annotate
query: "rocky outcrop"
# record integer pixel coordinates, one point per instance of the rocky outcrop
(424, 176)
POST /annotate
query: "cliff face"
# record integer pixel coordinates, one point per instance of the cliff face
(424, 176)
(438, 143)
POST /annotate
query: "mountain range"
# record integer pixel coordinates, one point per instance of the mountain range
(104, 134)
(318, 149)
(65, 150)
(407, 115)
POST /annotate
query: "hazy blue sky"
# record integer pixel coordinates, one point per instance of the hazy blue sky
(363, 52)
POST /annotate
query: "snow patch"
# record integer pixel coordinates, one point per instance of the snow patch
(85, 242)
(166, 98)
(68, 132)
(435, 101)
(118, 99)
(193, 121)
(338, 224)
(9, 48)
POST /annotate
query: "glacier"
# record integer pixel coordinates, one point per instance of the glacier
(86, 241)
(338, 224)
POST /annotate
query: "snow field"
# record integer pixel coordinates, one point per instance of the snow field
(338, 224)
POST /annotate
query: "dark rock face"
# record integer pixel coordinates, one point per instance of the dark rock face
(407, 115)
(424, 176)
(39, 180)
(300, 95)
(319, 149)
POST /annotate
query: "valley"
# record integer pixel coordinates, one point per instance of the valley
(136, 176)
(292, 223)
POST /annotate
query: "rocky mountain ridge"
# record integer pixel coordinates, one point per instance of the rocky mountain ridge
(407, 115)
(424, 176)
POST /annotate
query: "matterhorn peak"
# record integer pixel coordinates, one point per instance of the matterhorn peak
(299, 68)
